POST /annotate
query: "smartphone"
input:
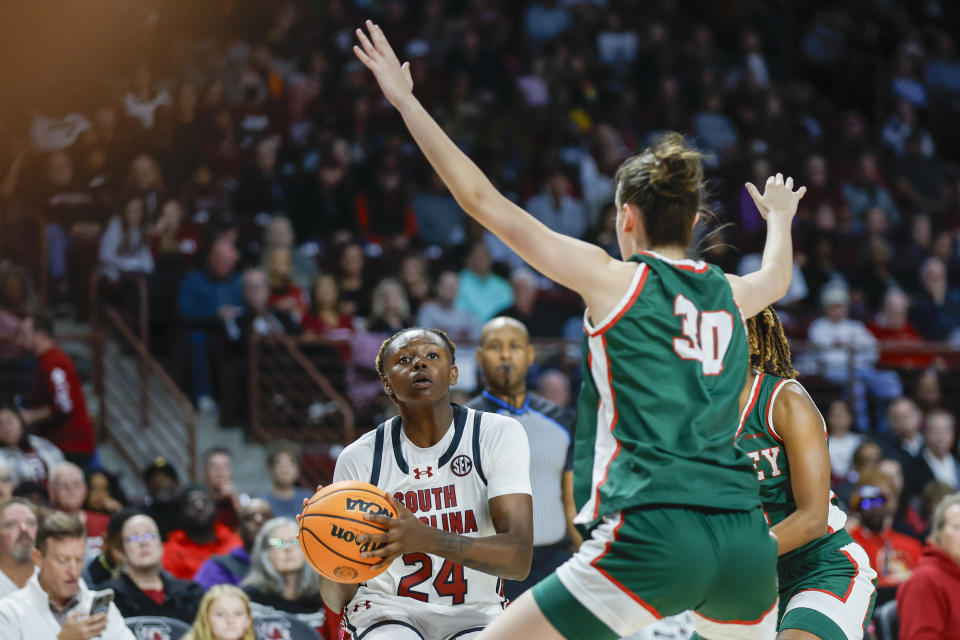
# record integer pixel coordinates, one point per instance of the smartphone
(101, 601)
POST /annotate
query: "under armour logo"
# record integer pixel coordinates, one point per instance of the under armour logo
(365, 603)
(417, 473)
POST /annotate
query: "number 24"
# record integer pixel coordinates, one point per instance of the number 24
(449, 581)
(706, 335)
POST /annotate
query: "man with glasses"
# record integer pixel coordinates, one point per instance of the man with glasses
(893, 555)
(144, 589)
(18, 532)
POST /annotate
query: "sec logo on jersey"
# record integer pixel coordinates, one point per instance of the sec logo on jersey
(461, 465)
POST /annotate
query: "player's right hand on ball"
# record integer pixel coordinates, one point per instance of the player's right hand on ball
(403, 533)
(778, 196)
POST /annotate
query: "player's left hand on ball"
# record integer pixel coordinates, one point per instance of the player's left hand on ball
(306, 501)
(377, 55)
(401, 535)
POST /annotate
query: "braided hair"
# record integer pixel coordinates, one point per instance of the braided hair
(769, 348)
(451, 347)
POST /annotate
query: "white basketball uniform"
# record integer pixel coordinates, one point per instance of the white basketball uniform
(448, 486)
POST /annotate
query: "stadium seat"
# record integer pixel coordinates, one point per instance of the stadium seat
(157, 628)
(279, 626)
(885, 616)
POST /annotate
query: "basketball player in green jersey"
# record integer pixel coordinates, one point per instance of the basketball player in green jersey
(827, 588)
(669, 505)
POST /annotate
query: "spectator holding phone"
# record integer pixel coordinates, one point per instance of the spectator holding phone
(56, 603)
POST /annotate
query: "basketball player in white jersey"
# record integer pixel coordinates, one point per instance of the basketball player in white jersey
(460, 482)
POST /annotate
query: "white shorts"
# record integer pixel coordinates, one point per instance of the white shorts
(374, 616)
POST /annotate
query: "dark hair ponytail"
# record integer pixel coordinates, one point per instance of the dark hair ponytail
(665, 182)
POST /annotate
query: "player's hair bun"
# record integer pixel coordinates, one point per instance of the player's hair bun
(675, 170)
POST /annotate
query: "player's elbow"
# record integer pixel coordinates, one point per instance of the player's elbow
(522, 561)
(815, 524)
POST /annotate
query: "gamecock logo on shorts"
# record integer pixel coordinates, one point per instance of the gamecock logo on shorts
(345, 572)
(153, 630)
(461, 465)
(273, 629)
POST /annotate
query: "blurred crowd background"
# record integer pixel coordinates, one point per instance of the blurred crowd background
(219, 172)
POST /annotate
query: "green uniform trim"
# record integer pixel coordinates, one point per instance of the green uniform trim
(570, 618)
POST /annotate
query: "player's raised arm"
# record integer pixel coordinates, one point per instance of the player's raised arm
(778, 205)
(573, 263)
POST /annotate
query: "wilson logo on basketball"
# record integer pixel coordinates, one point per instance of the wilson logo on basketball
(349, 536)
(366, 506)
(461, 465)
(428, 472)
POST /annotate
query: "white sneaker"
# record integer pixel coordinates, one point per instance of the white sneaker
(206, 404)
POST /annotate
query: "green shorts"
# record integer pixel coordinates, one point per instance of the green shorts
(646, 563)
(828, 591)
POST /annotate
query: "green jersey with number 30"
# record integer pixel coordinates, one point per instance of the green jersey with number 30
(659, 403)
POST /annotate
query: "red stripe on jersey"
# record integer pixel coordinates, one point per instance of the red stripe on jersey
(613, 423)
(751, 402)
(767, 416)
(679, 264)
(746, 622)
(617, 583)
(633, 298)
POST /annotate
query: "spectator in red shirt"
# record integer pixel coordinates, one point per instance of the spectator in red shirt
(893, 555)
(59, 410)
(200, 538)
(68, 492)
(285, 295)
(928, 603)
(891, 325)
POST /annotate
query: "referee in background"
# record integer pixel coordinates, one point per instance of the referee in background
(504, 355)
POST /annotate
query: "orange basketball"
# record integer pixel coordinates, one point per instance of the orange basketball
(331, 522)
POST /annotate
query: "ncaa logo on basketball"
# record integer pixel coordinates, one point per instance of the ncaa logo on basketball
(461, 465)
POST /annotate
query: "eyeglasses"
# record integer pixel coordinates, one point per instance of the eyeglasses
(281, 543)
(141, 537)
(872, 503)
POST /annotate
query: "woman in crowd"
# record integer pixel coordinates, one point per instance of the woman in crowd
(28, 457)
(324, 317)
(224, 615)
(390, 310)
(285, 295)
(124, 250)
(279, 575)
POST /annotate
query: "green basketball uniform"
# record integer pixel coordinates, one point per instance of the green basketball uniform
(660, 396)
(670, 505)
(827, 585)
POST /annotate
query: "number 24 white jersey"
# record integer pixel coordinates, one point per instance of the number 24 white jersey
(448, 486)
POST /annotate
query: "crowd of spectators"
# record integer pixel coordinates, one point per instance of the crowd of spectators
(258, 182)
(159, 555)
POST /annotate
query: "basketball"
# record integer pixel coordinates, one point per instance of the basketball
(331, 522)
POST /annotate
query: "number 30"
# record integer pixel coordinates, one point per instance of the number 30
(706, 335)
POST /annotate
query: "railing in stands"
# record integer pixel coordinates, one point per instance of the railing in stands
(291, 398)
(162, 418)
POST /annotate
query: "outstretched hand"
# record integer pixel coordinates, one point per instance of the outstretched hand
(377, 55)
(778, 196)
